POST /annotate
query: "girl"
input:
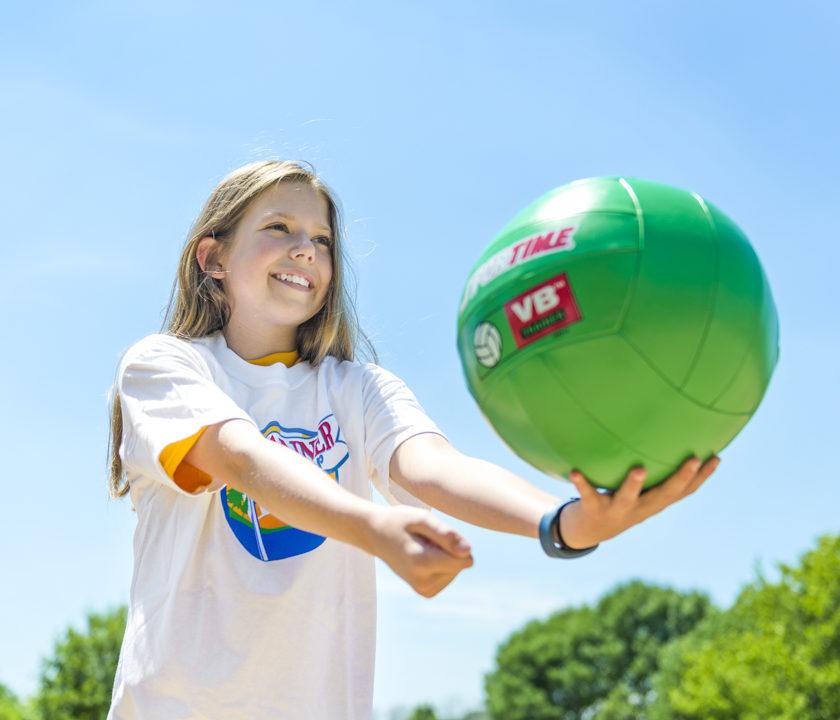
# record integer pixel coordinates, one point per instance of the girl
(247, 437)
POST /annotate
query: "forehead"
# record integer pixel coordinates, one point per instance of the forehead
(298, 201)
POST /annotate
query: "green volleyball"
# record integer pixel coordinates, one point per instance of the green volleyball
(617, 322)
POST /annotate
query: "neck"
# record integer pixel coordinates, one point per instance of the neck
(250, 345)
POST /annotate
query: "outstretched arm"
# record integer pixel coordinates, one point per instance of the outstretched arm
(484, 494)
(418, 546)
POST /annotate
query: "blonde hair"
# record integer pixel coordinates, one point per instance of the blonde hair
(198, 306)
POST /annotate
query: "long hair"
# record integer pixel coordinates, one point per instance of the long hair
(198, 306)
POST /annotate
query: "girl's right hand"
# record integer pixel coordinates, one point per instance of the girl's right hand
(420, 548)
(602, 515)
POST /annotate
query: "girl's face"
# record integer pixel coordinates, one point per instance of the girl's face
(279, 269)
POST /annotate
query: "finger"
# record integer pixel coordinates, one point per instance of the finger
(710, 466)
(674, 488)
(437, 561)
(703, 474)
(441, 535)
(629, 491)
(689, 469)
(587, 491)
(435, 584)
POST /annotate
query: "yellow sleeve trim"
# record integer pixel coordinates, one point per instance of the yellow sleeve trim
(186, 476)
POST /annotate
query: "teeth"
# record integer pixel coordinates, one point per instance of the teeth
(297, 279)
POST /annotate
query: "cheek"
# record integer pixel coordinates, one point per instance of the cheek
(251, 260)
(324, 266)
(263, 252)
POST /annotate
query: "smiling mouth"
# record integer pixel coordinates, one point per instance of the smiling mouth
(294, 279)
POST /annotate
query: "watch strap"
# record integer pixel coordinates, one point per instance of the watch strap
(557, 547)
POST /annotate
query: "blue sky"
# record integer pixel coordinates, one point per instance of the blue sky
(435, 123)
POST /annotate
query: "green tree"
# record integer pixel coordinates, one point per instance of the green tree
(76, 681)
(775, 653)
(10, 707)
(591, 661)
(427, 711)
(423, 712)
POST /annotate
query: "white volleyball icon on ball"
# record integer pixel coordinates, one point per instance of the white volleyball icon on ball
(487, 343)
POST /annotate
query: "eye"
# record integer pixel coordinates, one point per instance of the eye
(322, 240)
(281, 227)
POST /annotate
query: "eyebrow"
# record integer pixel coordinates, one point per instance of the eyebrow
(273, 214)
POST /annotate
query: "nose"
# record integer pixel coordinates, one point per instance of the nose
(302, 247)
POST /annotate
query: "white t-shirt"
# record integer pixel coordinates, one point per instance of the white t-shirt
(233, 614)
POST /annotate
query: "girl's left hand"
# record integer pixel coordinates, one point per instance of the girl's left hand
(599, 516)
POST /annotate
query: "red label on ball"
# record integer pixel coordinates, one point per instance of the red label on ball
(541, 310)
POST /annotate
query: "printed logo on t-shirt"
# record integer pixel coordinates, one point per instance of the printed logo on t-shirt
(260, 533)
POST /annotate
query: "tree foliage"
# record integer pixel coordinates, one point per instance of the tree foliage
(591, 661)
(423, 712)
(775, 653)
(10, 706)
(76, 681)
(426, 711)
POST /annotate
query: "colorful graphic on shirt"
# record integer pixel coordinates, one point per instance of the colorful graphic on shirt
(262, 534)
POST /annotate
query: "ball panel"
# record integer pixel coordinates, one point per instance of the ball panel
(586, 217)
(674, 292)
(531, 430)
(577, 199)
(599, 407)
(632, 401)
(749, 384)
(554, 433)
(529, 251)
(742, 326)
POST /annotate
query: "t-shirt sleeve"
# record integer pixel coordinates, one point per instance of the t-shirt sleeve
(167, 394)
(392, 416)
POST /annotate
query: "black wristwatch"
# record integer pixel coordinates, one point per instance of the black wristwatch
(556, 546)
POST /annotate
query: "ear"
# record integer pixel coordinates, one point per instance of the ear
(207, 248)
